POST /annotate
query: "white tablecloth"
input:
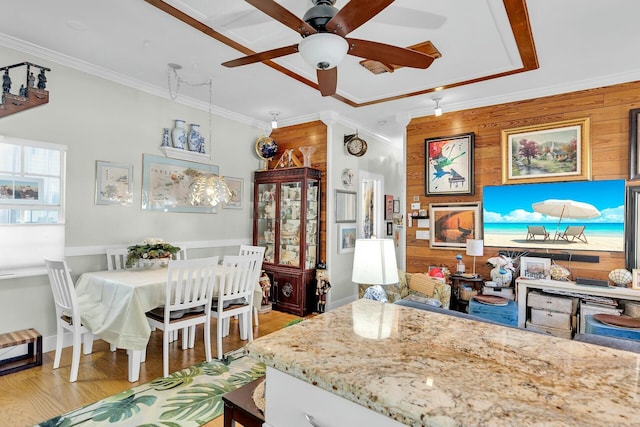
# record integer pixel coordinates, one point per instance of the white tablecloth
(114, 303)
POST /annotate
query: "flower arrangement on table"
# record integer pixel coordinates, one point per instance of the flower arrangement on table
(152, 248)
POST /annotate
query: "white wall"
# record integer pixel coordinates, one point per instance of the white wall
(381, 158)
(101, 120)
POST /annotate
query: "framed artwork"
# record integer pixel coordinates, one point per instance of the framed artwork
(635, 283)
(20, 190)
(448, 165)
(166, 184)
(559, 151)
(388, 207)
(396, 206)
(346, 238)
(453, 223)
(634, 140)
(389, 228)
(114, 183)
(535, 268)
(346, 206)
(237, 193)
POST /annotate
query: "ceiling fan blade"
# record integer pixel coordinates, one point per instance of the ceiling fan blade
(262, 56)
(282, 15)
(388, 54)
(328, 81)
(354, 14)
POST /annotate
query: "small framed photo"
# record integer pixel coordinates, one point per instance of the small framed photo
(535, 268)
(346, 238)
(635, 283)
(389, 228)
(21, 190)
(396, 206)
(114, 184)
(236, 187)
(388, 207)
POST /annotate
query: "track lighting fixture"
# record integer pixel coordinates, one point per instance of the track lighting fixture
(438, 110)
(274, 122)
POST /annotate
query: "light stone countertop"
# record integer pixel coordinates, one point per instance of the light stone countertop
(438, 370)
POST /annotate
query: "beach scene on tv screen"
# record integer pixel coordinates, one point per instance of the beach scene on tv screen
(578, 215)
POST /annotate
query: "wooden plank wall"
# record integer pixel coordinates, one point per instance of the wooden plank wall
(312, 134)
(608, 109)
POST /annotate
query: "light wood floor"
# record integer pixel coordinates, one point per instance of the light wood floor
(37, 394)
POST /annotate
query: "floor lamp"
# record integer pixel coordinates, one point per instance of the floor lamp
(475, 247)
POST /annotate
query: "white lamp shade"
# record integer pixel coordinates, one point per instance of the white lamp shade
(374, 262)
(323, 50)
(475, 247)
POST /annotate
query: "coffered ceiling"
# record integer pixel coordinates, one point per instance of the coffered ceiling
(491, 51)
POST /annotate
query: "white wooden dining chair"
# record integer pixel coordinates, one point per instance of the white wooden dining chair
(257, 296)
(235, 295)
(189, 291)
(117, 258)
(67, 315)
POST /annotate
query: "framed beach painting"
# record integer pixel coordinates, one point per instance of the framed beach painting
(578, 215)
(549, 152)
(451, 224)
(166, 184)
(448, 165)
(114, 183)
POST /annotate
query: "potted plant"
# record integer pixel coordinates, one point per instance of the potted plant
(151, 249)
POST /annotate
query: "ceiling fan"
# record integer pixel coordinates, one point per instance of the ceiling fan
(324, 43)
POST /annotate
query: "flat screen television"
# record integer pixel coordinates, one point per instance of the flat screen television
(577, 215)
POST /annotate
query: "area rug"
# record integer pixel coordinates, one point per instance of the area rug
(190, 397)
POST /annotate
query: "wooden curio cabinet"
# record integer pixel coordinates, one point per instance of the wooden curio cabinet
(286, 221)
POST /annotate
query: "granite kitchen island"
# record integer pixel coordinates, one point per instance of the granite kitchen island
(404, 366)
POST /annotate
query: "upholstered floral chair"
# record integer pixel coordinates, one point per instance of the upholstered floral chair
(416, 284)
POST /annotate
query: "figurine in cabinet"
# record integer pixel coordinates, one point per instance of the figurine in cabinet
(322, 286)
(265, 284)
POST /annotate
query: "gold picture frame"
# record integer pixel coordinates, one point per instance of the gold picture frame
(635, 283)
(559, 151)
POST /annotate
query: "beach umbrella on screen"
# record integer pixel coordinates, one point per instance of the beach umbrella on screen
(569, 209)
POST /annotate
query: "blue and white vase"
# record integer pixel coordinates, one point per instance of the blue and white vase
(193, 138)
(165, 138)
(178, 135)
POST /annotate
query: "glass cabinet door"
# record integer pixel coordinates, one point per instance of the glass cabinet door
(311, 231)
(290, 204)
(267, 220)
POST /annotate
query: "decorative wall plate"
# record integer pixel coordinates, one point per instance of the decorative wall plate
(347, 178)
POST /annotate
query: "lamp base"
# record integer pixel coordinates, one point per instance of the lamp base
(376, 293)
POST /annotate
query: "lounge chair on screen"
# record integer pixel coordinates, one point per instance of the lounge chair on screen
(537, 230)
(573, 232)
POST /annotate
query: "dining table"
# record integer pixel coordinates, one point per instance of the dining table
(113, 304)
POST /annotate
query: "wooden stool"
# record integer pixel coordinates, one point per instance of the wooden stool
(32, 358)
(239, 406)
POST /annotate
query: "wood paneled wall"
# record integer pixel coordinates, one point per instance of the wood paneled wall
(608, 108)
(312, 134)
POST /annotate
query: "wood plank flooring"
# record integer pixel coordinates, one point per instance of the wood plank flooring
(34, 395)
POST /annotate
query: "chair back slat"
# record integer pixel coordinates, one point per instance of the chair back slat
(64, 292)
(238, 276)
(190, 283)
(117, 258)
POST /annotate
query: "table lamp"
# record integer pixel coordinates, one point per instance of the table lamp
(475, 247)
(374, 263)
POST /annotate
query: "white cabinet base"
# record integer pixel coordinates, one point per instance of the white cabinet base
(288, 399)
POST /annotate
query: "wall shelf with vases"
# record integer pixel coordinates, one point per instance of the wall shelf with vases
(177, 153)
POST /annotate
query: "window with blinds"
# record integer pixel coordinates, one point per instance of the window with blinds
(31, 203)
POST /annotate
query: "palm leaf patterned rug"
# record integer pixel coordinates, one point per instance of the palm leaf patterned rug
(190, 397)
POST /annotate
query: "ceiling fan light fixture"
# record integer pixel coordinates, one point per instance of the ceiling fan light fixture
(323, 51)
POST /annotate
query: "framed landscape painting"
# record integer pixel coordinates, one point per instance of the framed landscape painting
(452, 224)
(549, 152)
(448, 165)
